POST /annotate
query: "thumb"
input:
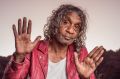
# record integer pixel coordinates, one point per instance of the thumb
(36, 40)
(76, 58)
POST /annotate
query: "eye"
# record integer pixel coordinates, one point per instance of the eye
(65, 22)
(76, 28)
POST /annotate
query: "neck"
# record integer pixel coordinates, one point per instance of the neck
(56, 51)
(56, 47)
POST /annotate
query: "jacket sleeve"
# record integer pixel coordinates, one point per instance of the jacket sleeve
(83, 54)
(15, 70)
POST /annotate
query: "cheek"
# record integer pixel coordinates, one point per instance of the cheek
(75, 35)
(62, 30)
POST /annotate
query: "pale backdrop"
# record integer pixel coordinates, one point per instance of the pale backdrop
(103, 20)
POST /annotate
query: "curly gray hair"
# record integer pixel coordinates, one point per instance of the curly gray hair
(53, 24)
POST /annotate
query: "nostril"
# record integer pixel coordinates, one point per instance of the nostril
(70, 30)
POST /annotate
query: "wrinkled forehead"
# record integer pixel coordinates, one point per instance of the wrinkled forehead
(72, 16)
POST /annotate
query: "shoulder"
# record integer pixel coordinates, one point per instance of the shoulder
(83, 50)
(41, 45)
(83, 53)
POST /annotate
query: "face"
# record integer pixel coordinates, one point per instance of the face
(69, 28)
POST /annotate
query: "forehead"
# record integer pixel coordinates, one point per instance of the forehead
(73, 17)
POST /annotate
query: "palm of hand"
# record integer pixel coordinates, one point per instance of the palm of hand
(85, 69)
(90, 63)
(23, 42)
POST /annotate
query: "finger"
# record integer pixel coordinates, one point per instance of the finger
(90, 62)
(91, 53)
(98, 56)
(29, 27)
(24, 25)
(19, 26)
(97, 52)
(99, 61)
(14, 30)
(36, 40)
(76, 58)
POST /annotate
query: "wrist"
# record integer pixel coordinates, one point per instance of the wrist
(19, 57)
(83, 77)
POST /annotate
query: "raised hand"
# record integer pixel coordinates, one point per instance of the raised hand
(90, 63)
(23, 42)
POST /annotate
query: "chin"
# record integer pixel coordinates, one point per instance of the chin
(63, 41)
(66, 42)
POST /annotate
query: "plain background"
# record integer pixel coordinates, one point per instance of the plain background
(103, 20)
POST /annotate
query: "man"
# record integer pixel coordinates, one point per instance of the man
(61, 55)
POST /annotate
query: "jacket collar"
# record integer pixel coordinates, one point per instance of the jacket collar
(43, 46)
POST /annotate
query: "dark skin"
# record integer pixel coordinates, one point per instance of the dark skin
(23, 43)
(57, 48)
(68, 31)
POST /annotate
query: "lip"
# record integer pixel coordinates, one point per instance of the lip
(67, 38)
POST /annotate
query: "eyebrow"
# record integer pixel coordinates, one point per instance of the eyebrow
(68, 18)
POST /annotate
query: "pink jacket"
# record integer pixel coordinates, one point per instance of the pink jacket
(36, 64)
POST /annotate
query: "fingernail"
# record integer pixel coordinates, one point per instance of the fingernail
(24, 18)
(101, 46)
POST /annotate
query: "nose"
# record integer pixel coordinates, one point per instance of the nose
(70, 29)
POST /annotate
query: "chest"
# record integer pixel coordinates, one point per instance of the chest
(40, 66)
(57, 70)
